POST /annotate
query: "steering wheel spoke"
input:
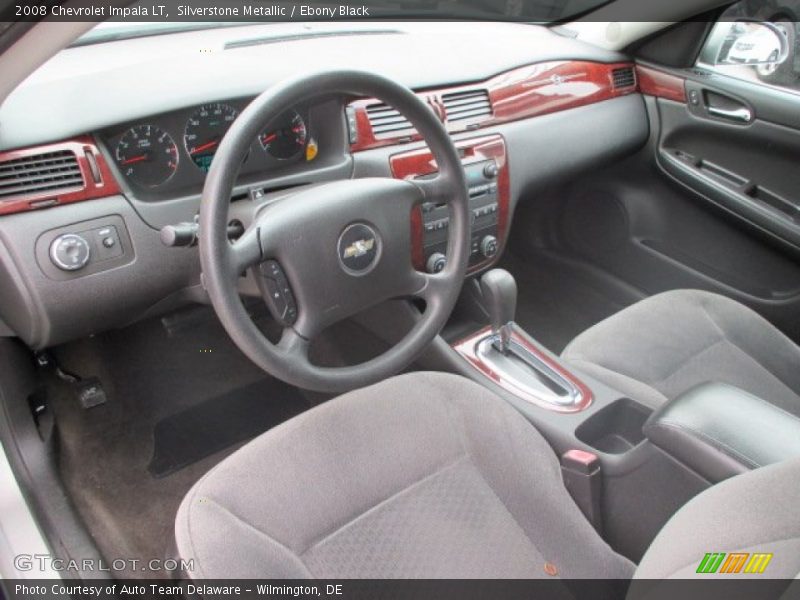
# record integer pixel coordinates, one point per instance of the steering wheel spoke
(246, 251)
(435, 189)
(428, 287)
(294, 346)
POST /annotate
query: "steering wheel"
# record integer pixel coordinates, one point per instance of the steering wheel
(342, 246)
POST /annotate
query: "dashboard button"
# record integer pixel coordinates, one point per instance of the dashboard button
(489, 246)
(70, 252)
(277, 293)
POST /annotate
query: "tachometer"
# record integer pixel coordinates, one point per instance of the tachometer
(204, 131)
(286, 137)
(147, 155)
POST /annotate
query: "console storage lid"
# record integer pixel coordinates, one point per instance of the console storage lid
(719, 430)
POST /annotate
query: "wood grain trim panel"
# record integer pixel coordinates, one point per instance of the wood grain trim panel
(517, 94)
(466, 348)
(83, 147)
(653, 82)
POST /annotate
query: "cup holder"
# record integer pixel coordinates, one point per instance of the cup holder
(615, 429)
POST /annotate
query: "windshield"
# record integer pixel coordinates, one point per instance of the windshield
(256, 11)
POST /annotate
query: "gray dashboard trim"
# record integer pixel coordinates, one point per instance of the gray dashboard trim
(45, 312)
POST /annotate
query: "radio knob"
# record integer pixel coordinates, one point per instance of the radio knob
(70, 252)
(436, 262)
(490, 170)
(489, 246)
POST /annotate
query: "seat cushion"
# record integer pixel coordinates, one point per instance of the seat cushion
(423, 475)
(660, 347)
(753, 513)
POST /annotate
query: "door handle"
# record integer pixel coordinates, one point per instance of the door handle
(742, 114)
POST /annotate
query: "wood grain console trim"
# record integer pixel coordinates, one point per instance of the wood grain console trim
(521, 93)
(417, 163)
(467, 349)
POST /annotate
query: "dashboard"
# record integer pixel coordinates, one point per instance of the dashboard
(80, 248)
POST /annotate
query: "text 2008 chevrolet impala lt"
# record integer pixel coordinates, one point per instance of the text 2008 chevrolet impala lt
(403, 299)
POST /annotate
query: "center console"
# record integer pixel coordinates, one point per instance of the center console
(626, 485)
(486, 169)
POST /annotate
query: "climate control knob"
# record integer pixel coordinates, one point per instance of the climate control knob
(436, 262)
(490, 170)
(70, 252)
(489, 246)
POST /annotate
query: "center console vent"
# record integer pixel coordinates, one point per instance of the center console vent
(623, 78)
(467, 104)
(387, 121)
(39, 174)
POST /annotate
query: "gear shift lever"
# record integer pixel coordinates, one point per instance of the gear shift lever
(499, 292)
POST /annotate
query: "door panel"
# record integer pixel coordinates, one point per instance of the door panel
(721, 146)
(707, 204)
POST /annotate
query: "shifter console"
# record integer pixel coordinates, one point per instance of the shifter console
(505, 354)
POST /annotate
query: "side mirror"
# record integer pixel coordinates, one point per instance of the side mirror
(749, 43)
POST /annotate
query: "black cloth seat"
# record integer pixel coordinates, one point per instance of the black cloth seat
(429, 475)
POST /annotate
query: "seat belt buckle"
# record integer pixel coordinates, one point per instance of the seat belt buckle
(583, 478)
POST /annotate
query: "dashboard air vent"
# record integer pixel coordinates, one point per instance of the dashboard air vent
(623, 78)
(39, 174)
(469, 104)
(387, 122)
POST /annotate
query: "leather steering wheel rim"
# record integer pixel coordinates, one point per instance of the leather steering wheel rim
(318, 214)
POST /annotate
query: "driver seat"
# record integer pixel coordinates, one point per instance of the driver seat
(429, 475)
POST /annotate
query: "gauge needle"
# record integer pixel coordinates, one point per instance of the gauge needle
(134, 159)
(268, 138)
(205, 146)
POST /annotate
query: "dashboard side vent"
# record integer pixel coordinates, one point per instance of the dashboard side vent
(39, 174)
(387, 121)
(623, 78)
(468, 104)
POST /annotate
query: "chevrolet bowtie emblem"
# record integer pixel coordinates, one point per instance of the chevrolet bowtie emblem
(358, 248)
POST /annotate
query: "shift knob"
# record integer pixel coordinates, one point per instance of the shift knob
(499, 292)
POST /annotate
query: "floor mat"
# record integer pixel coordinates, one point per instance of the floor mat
(206, 428)
(152, 373)
(558, 299)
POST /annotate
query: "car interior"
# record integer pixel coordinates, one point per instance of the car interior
(452, 300)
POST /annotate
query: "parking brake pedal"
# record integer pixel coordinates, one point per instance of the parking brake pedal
(583, 479)
(89, 391)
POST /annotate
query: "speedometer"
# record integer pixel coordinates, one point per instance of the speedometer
(147, 155)
(286, 137)
(204, 131)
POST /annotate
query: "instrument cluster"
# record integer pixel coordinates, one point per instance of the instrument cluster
(175, 151)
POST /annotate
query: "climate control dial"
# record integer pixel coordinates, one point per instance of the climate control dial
(436, 262)
(489, 246)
